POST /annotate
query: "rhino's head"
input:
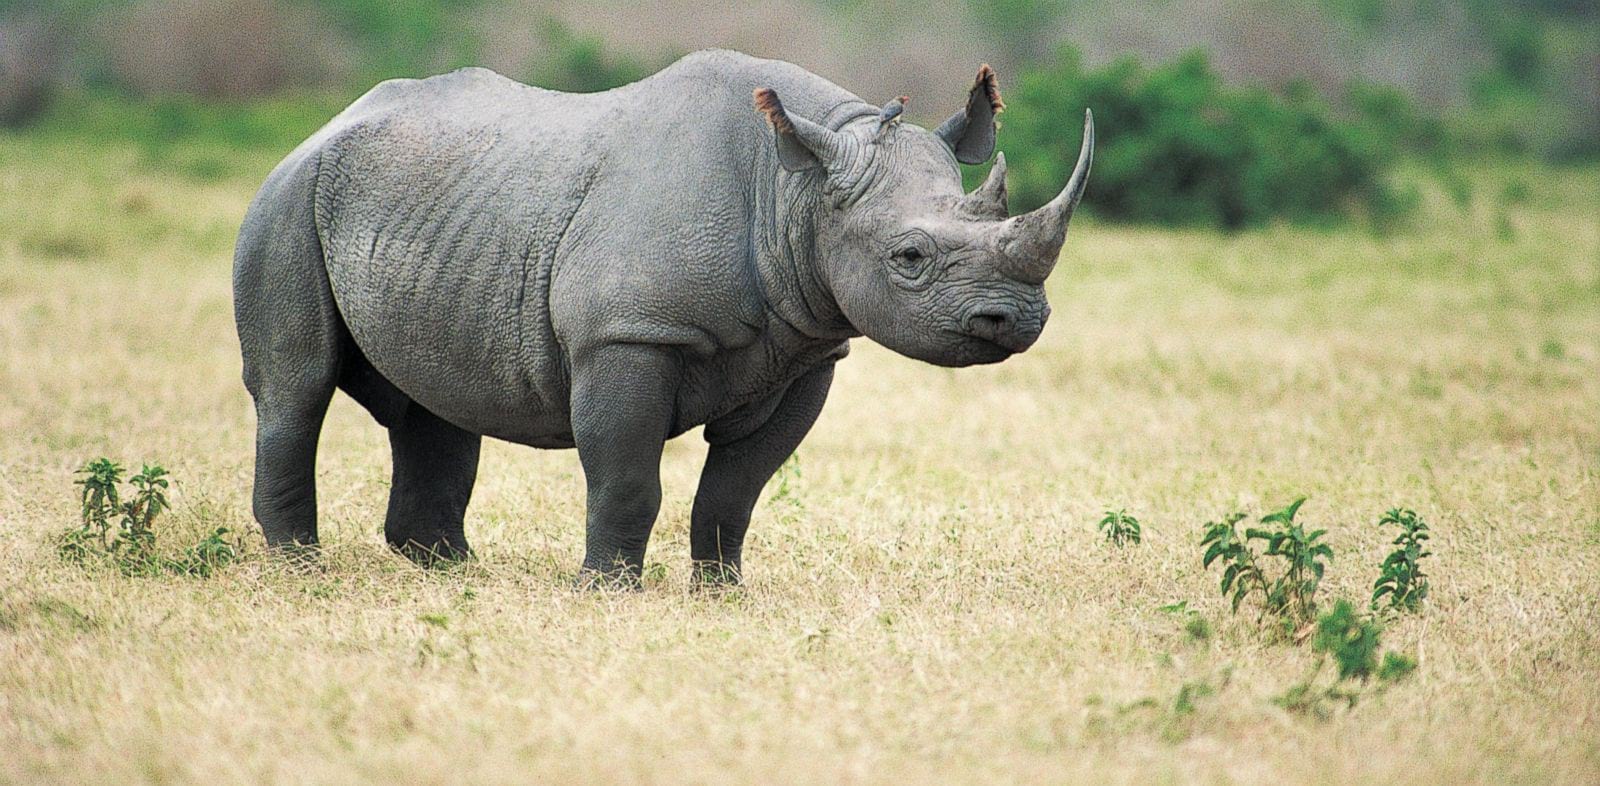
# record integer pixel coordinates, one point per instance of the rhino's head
(912, 261)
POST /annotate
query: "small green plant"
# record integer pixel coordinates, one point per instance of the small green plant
(1352, 641)
(100, 501)
(1296, 589)
(1289, 593)
(117, 524)
(1193, 624)
(1184, 703)
(1305, 698)
(1240, 573)
(1120, 528)
(134, 548)
(208, 556)
(1401, 579)
(131, 543)
(1396, 666)
(77, 546)
(1349, 639)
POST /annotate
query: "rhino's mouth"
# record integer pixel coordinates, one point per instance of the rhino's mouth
(978, 350)
(995, 349)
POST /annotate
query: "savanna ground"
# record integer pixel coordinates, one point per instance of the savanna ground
(928, 597)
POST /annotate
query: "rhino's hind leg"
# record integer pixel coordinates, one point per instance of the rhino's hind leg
(435, 466)
(291, 340)
(285, 495)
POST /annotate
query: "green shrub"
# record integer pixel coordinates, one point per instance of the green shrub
(1179, 147)
(1385, 115)
(1535, 92)
(1288, 590)
(1400, 574)
(406, 37)
(1353, 642)
(119, 529)
(1120, 528)
(131, 544)
(206, 557)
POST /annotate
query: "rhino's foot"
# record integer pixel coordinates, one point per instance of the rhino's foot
(712, 574)
(438, 554)
(620, 579)
(435, 466)
(299, 557)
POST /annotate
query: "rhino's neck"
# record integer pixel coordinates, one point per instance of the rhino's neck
(793, 277)
(786, 264)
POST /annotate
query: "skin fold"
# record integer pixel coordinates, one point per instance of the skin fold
(467, 256)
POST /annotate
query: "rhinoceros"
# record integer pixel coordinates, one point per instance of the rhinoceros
(468, 256)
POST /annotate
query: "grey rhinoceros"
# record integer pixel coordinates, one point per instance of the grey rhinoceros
(467, 256)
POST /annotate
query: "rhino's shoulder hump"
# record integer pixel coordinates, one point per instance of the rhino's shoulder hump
(472, 79)
(461, 90)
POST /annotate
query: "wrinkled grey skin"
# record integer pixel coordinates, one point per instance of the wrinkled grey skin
(467, 256)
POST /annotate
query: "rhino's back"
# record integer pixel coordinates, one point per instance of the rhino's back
(440, 204)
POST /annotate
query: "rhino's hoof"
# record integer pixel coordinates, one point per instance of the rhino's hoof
(435, 555)
(617, 580)
(299, 557)
(717, 575)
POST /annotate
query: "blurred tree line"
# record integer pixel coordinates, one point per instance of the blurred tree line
(1247, 128)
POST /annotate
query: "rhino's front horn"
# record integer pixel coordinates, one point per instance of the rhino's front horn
(989, 199)
(1031, 242)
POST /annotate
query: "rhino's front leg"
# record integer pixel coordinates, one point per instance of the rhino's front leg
(623, 399)
(738, 467)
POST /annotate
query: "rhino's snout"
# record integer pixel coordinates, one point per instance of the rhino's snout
(1005, 326)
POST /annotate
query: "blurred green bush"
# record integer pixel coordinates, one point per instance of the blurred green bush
(1537, 96)
(1179, 147)
(202, 140)
(403, 37)
(581, 64)
(277, 124)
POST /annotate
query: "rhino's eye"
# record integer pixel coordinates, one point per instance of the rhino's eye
(910, 261)
(909, 256)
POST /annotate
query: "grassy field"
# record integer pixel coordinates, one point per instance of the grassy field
(928, 598)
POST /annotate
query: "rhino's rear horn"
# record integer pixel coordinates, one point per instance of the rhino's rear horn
(989, 200)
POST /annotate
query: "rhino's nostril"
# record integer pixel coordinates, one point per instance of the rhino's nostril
(991, 323)
(1002, 326)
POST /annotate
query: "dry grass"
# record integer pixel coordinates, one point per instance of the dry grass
(929, 601)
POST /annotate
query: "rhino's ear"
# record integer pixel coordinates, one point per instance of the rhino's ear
(970, 132)
(802, 144)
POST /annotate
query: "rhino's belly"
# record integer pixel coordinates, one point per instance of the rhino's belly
(459, 337)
